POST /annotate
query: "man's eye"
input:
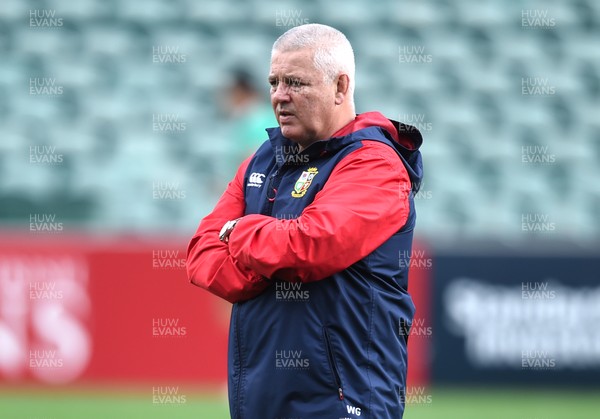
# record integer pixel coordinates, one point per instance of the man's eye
(291, 82)
(294, 83)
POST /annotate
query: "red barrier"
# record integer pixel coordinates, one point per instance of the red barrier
(71, 309)
(93, 310)
(421, 333)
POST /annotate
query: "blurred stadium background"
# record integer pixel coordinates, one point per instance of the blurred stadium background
(121, 122)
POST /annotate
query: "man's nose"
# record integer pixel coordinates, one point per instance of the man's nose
(281, 93)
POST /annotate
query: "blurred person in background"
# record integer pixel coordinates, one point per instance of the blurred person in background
(311, 241)
(247, 112)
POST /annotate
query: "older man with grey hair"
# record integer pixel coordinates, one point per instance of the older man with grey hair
(310, 243)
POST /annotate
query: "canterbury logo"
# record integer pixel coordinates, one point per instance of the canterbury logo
(256, 180)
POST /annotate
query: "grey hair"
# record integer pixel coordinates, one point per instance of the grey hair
(333, 53)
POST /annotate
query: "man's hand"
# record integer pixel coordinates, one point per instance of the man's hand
(227, 229)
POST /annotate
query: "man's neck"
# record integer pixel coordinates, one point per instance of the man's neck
(335, 128)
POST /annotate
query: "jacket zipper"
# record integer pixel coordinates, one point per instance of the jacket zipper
(336, 374)
(274, 181)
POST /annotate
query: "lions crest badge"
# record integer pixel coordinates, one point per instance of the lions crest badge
(304, 182)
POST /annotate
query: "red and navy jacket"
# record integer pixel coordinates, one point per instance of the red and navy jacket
(317, 269)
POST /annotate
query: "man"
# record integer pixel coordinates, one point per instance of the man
(306, 242)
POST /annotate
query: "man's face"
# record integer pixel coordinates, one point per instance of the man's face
(304, 104)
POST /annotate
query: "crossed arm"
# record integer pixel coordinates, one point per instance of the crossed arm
(360, 207)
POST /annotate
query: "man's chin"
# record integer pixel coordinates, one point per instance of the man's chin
(291, 133)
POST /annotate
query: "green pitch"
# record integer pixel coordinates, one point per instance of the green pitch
(107, 405)
(441, 403)
(485, 403)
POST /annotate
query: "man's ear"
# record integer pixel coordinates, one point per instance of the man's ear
(341, 90)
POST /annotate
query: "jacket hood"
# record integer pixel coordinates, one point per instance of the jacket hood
(406, 140)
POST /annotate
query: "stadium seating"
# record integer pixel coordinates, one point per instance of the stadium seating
(478, 124)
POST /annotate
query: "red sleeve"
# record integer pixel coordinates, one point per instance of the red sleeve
(209, 264)
(359, 208)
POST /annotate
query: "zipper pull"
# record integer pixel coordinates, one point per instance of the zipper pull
(341, 393)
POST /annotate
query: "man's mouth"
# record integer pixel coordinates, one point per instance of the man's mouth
(285, 115)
